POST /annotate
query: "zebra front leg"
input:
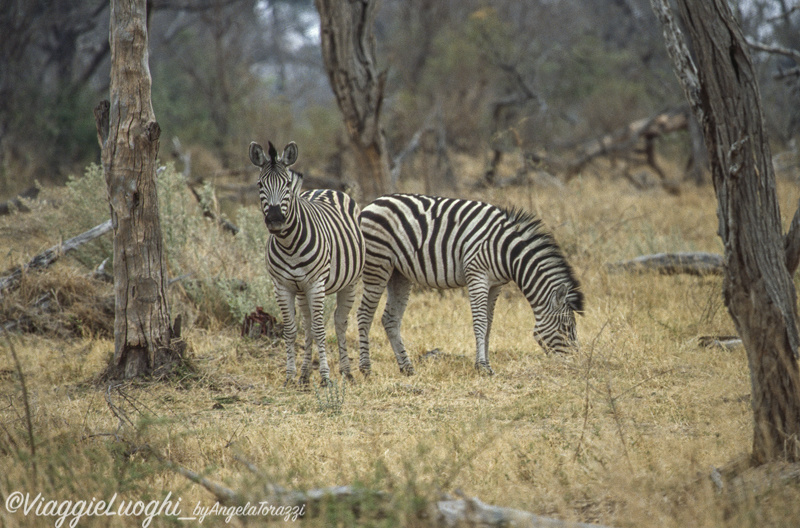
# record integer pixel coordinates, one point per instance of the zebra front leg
(286, 300)
(396, 302)
(308, 353)
(344, 303)
(478, 287)
(491, 301)
(316, 304)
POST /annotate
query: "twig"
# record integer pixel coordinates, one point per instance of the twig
(588, 386)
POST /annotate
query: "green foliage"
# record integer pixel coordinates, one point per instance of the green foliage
(227, 274)
(54, 128)
(85, 205)
(330, 399)
(224, 276)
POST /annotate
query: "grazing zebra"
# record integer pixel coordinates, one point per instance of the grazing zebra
(450, 243)
(315, 248)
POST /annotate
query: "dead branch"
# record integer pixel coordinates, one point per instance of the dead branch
(724, 342)
(42, 260)
(776, 50)
(448, 512)
(635, 138)
(673, 264)
(413, 145)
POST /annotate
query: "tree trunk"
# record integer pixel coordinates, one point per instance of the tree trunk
(348, 50)
(129, 137)
(758, 288)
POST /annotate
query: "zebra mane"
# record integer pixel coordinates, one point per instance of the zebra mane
(526, 223)
(531, 227)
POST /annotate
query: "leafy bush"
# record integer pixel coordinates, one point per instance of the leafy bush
(222, 276)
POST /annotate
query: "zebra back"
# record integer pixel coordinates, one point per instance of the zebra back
(437, 242)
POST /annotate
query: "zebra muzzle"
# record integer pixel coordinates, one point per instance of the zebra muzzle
(274, 218)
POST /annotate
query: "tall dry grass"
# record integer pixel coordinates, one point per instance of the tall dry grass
(625, 432)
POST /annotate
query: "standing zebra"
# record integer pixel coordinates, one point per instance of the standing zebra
(449, 243)
(315, 248)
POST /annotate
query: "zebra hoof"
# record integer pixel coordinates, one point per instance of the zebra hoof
(484, 369)
(346, 376)
(408, 370)
(365, 369)
(325, 382)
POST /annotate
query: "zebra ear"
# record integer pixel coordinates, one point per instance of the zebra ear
(290, 154)
(558, 300)
(257, 155)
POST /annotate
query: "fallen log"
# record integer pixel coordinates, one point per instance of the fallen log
(46, 258)
(724, 342)
(698, 263)
(448, 512)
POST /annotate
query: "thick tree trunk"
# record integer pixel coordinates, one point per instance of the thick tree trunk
(758, 287)
(129, 136)
(348, 50)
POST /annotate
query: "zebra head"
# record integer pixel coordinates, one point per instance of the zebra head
(555, 329)
(278, 186)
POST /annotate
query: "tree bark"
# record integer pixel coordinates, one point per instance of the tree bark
(757, 287)
(129, 137)
(348, 50)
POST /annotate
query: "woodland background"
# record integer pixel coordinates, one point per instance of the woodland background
(530, 79)
(543, 105)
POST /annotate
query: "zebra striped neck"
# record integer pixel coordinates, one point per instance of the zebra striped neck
(537, 264)
(293, 227)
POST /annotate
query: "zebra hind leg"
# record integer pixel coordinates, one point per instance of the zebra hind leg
(396, 302)
(374, 284)
(344, 302)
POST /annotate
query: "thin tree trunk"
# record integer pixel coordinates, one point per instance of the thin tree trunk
(129, 137)
(348, 50)
(757, 287)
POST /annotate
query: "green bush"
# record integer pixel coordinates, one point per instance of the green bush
(224, 277)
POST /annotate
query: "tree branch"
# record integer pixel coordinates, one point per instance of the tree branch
(778, 50)
(46, 258)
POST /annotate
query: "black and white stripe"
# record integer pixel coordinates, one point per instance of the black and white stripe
(451, 243)
(315, 249)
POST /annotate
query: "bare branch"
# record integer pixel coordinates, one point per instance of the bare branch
(778, 50)
(684, 66)
(46, 258)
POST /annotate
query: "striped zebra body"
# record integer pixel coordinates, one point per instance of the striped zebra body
(315, 248)
(451, 243)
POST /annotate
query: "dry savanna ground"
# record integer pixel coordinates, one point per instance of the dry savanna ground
(625, 432)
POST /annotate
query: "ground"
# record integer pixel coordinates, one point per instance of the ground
(627, 431)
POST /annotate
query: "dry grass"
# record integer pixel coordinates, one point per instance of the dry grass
(625, 432)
